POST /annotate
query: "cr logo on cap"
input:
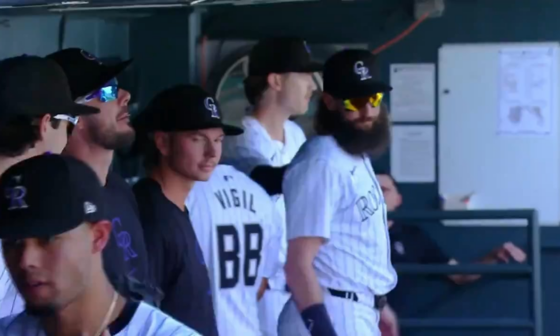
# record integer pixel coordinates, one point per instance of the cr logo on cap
(361, 71)
(211, 106)
(16, 195)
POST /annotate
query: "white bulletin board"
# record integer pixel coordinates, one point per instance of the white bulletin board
(498, 127)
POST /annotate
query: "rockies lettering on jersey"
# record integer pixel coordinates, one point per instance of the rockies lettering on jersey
(146, 321)
(237, 227)
(352, 217)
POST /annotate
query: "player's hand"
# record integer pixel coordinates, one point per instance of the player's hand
(262, 288)
(388, 322)
(509, 251)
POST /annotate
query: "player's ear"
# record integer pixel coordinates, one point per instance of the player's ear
(44, 124)
(274, 81)
(162, 141)
(101, 233)
(330, 101)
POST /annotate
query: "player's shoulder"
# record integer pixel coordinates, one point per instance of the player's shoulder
(18, 324)
(252, 129)
(318, 148)
(318, 156)
(150, 321)
(225, 169)
(254, 136)
(229, 174)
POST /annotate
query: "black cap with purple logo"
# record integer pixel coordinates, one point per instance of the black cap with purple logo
(85, 72)
(48, 195)
(351, 74)
(31, 86)
(281, 55)
(183, 108)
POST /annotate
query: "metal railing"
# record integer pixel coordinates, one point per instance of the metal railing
(532, 269)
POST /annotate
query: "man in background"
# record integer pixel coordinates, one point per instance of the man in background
(37, 114)
(94, 141)
(53, 229)
(411, 245)
(180, 134)
(279, 86)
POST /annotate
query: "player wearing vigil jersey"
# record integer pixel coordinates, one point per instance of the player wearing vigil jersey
(279, 86)
(339, 264)
(236, 224)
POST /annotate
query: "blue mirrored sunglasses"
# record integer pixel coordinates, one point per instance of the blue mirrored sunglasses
(107, 93)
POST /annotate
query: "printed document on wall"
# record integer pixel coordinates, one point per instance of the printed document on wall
(413, 153)
(414, 92)
(526, 90)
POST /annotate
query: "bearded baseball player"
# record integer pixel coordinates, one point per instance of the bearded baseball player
(236, 223)
(279, 86)
(338, 263)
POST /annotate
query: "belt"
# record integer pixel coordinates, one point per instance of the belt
(379, 300)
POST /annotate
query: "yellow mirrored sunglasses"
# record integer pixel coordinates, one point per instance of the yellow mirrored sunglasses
(356, 104)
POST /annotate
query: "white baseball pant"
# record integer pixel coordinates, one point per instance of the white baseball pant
(270, 307)
(349, 318)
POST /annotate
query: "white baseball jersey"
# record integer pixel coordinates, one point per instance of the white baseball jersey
(334, 195)
(147, 321)
(239, 231)
(255, 147)
(10, 300)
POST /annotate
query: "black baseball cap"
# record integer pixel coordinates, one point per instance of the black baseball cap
(32, 86)
(281, 55)
(183, 108)
(350, 74)
(48, 195)
(84, 71)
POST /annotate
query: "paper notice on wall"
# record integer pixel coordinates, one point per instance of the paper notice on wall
(413, 153)
(526, 90)
(414, 92)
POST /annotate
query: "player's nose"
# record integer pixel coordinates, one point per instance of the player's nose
(369, 112)
(212, 150)
(28, 256)
(124, 97)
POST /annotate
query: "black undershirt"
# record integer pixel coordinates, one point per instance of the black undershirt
(125, 255)
(269, 178)
(176, 258)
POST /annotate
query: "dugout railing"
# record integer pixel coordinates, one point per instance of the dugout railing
(531, 269)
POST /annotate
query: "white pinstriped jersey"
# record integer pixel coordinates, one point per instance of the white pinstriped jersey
(255, 147)
(235, 221)
(332, 194)
(10, 300)
(147, 321)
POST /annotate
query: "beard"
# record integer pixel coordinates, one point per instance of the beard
(40, 311)
(112, 139)
(354, 140)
